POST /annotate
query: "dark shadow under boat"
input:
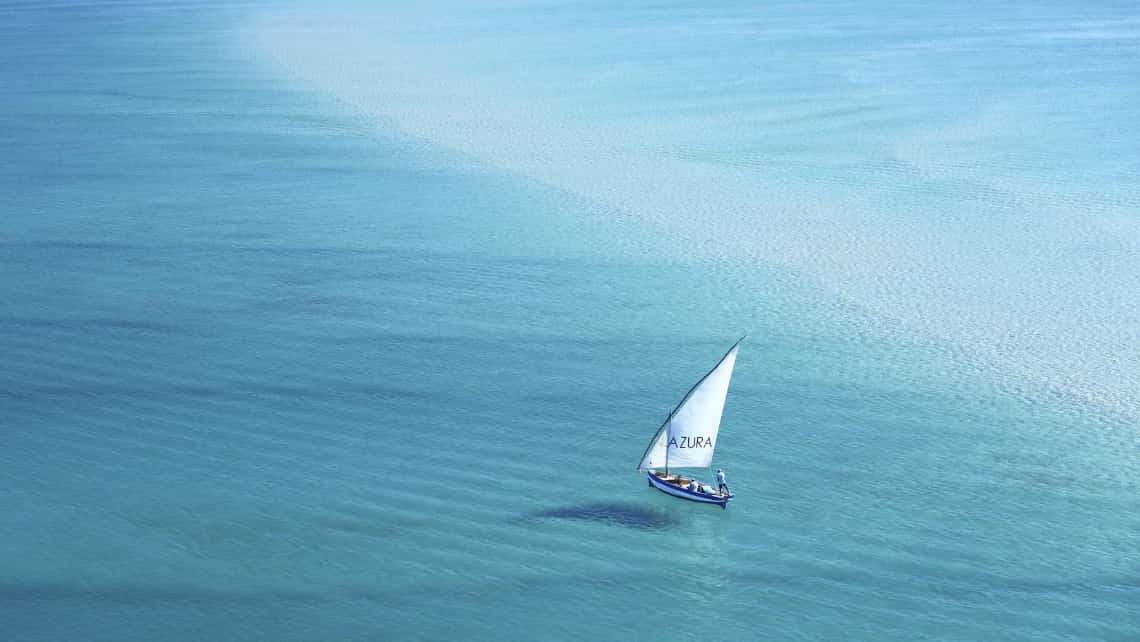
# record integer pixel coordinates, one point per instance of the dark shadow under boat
(618, 514)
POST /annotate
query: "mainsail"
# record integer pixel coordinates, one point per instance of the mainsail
(688, 437)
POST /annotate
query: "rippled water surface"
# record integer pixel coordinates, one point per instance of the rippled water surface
(350, 322)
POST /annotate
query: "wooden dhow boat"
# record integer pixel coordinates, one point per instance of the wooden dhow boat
(689, 436)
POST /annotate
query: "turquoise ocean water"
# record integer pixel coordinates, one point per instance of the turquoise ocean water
(351, 322)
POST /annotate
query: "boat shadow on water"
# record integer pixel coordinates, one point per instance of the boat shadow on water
(615, 513)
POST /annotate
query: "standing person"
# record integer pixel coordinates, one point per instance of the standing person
(721, 485)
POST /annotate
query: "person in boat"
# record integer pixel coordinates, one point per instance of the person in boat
(695, 486)
(721, 485)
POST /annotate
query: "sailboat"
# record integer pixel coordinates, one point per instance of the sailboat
(689, 436)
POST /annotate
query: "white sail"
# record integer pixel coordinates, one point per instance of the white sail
(655, 455)
(689, 436)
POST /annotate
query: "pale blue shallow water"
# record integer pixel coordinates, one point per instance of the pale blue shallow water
(350, 324)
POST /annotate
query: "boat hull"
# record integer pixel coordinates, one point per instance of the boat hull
(682, 493)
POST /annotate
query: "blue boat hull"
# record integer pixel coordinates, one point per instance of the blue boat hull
(684, 493)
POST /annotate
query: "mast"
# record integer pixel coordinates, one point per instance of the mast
(653, 440)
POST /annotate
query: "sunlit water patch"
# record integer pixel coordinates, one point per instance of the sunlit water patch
(969, 176)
